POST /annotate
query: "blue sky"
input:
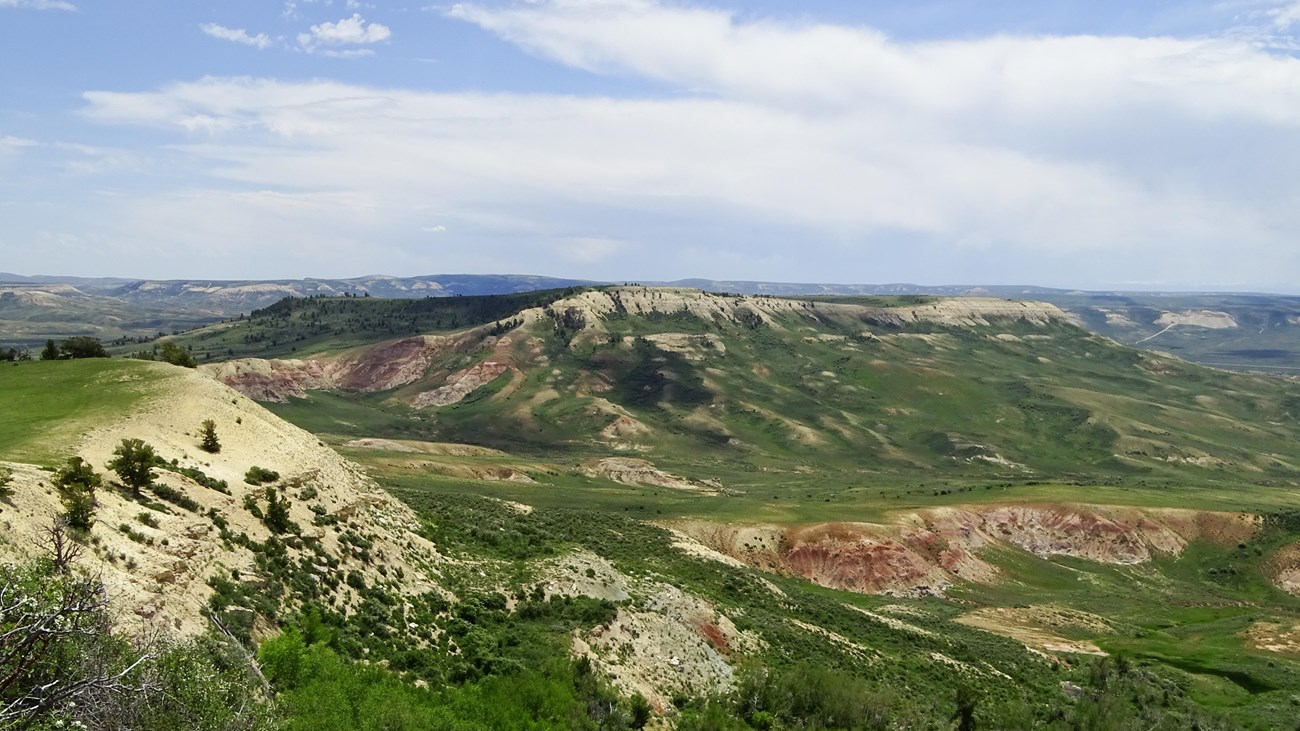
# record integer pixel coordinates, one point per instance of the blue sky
(1094, 144)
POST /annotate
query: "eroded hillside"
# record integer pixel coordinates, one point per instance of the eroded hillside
(201, 527)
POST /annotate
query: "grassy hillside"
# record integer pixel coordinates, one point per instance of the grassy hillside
(50, 405)
(834, 388)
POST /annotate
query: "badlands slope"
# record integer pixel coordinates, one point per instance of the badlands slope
(161, 576)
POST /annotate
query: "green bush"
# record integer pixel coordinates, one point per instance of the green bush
(176, 497)
(80, 346)
(277, 512)
(260, 476)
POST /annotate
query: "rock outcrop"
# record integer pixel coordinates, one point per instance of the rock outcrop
(926, 552)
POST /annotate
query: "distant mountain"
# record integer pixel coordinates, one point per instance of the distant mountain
(792, 289)
(227, 298)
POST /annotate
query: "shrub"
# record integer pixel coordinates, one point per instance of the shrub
(176, 497)
(203, 479)
(250, 504)
(6, 477)
(70, 668)
(260, 476)
(277, 512)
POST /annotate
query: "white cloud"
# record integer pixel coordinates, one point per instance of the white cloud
(434, 229)
(834, 67)
(348, 53)
(38, 4)
(291, 6)
(1052, 160)
(1286, 16)
(236, 35)
(10, 144)
(348, 31)
(94, 160)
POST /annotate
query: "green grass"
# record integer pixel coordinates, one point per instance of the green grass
(49, 405)
(350, 414)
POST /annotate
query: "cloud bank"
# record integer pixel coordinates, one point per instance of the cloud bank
(39, 4)
(768, 149)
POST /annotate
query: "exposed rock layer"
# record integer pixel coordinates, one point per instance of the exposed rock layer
(927, 551)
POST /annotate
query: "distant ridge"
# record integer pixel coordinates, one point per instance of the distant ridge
(789, 289)
(1236, 330)
(384, 285)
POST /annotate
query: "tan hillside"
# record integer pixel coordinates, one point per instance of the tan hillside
(160, 576)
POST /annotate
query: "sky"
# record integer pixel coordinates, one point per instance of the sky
(1092, 144)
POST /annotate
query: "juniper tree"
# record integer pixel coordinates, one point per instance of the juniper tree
(77, 482)
(133, 464)
(176, 355)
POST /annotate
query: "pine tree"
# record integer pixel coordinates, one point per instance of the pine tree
(208, 434)
(277, 512)
(51, 351)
